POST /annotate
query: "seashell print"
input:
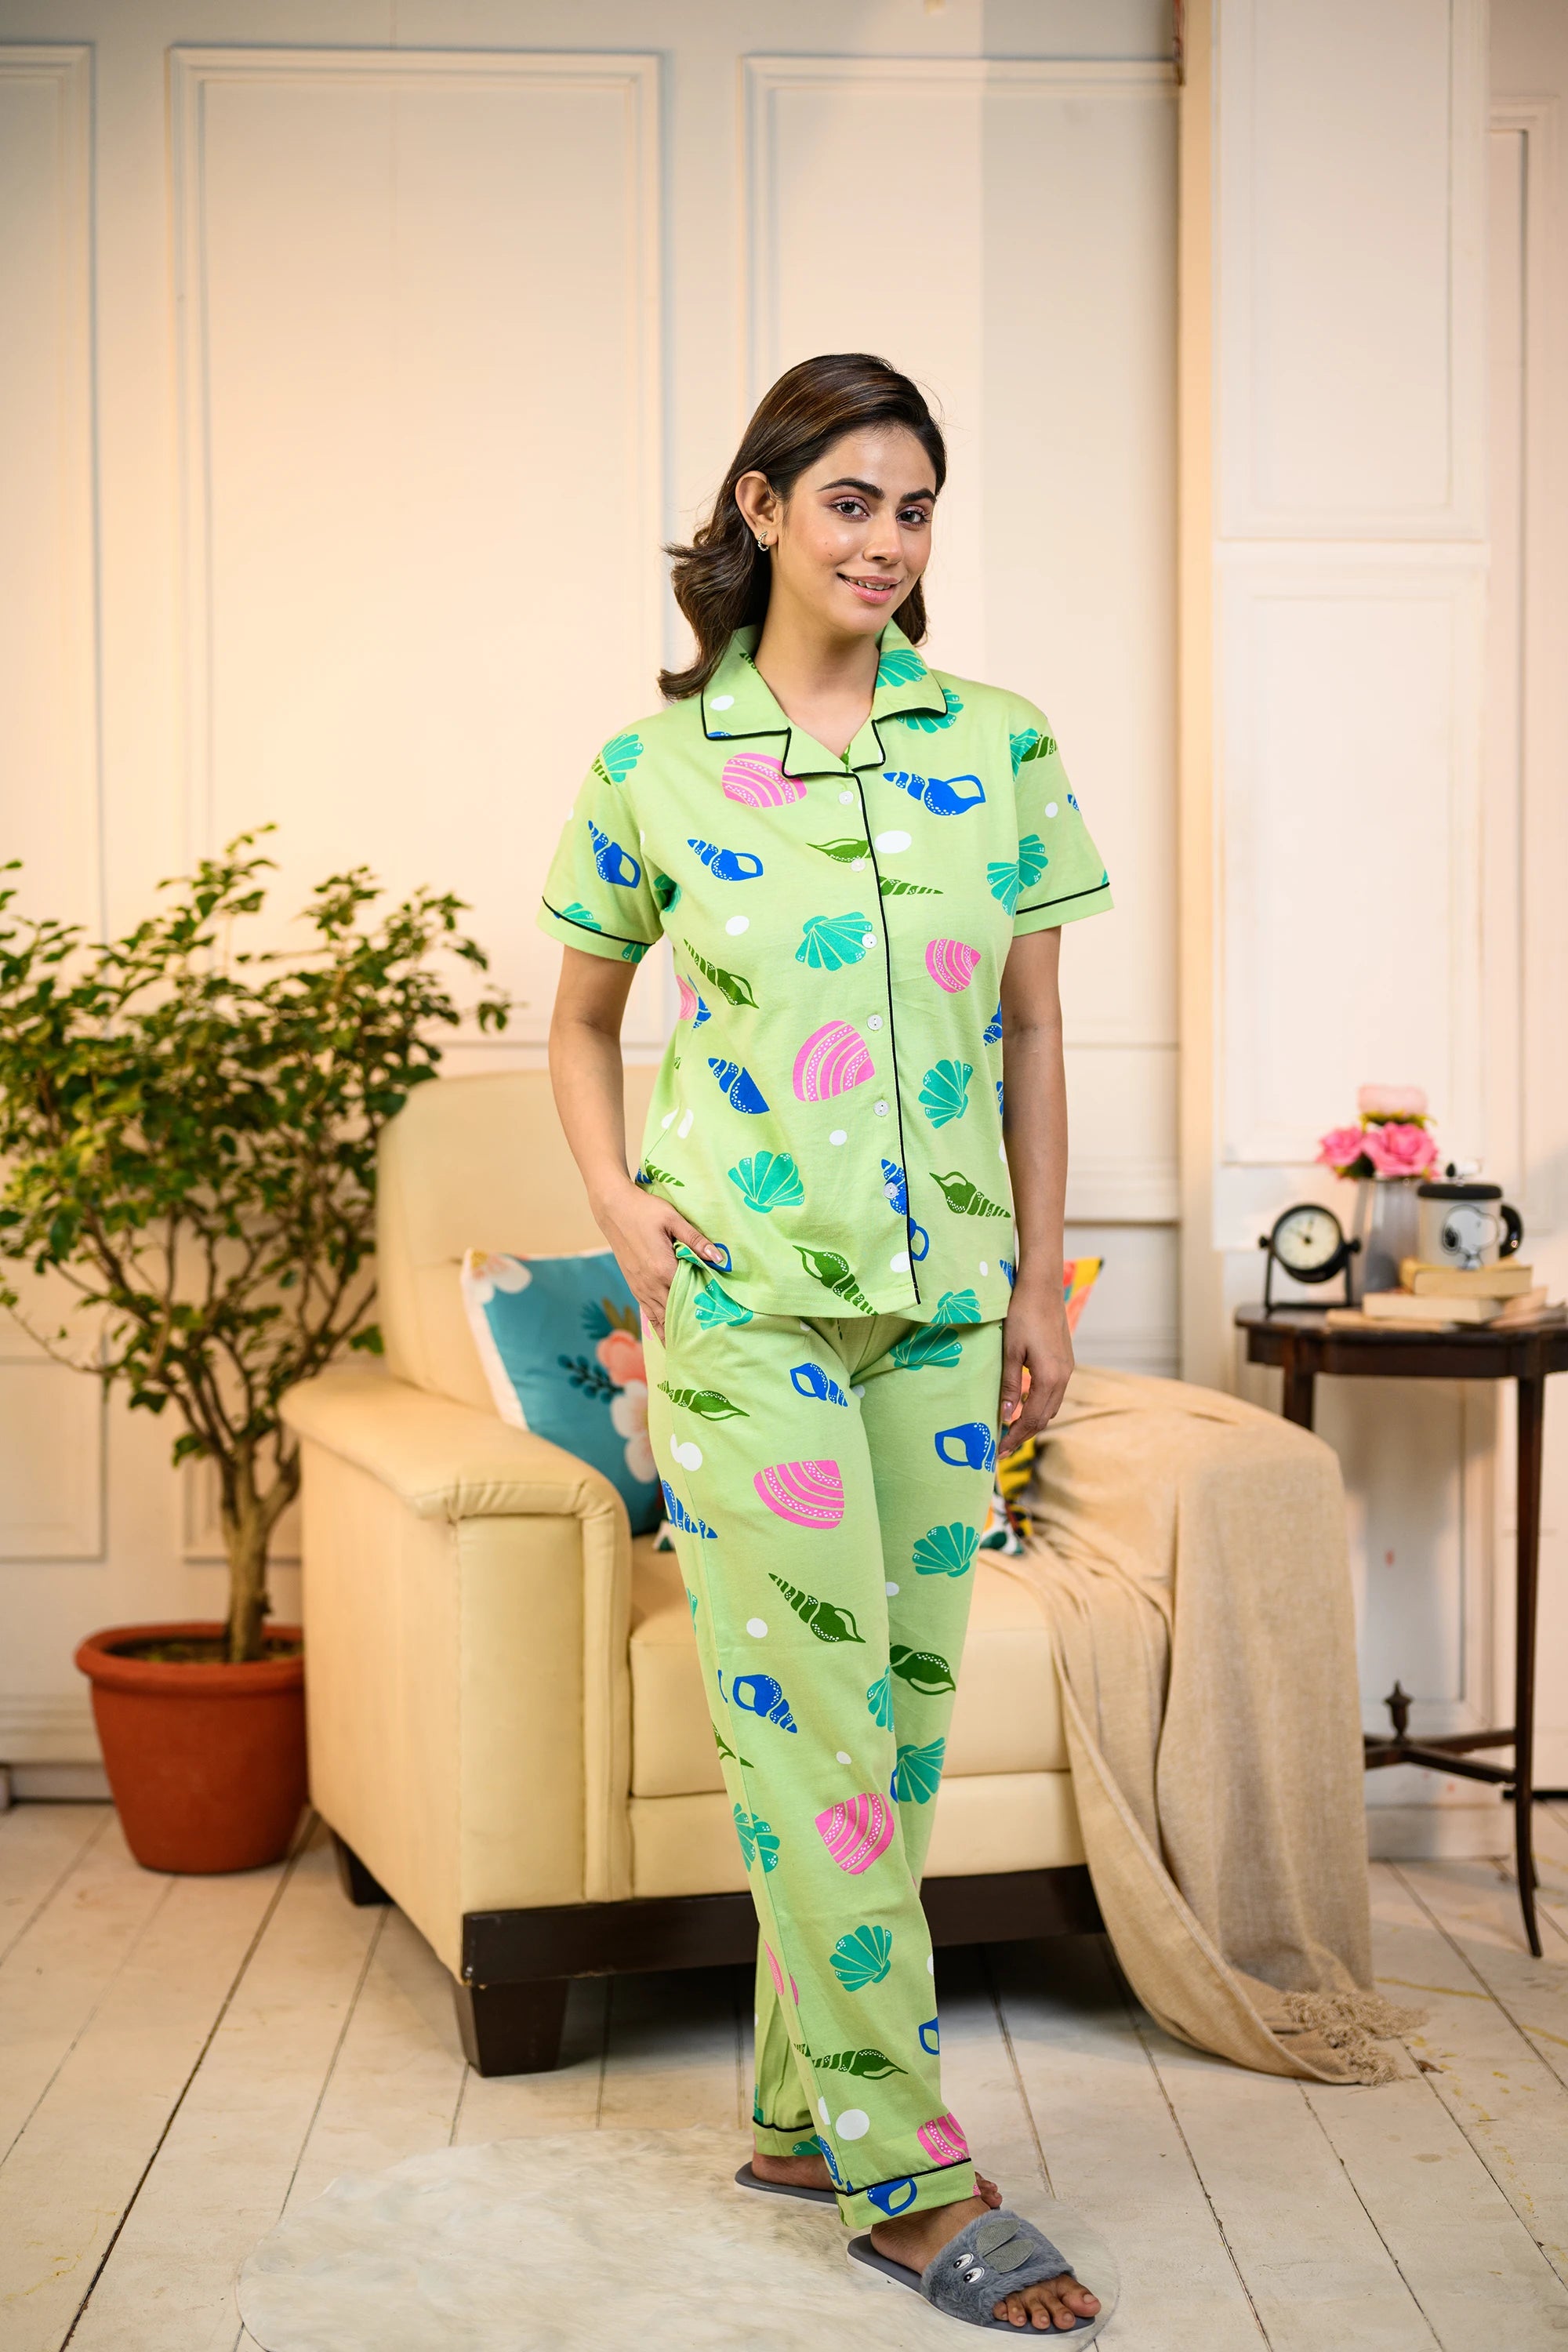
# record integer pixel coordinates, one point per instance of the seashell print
(838, 1274)
(965, 1199)
(832, 1058)
(741, 1089)
(760, 1695)
(895, 1184)
(758, 1840)
(858, 1832)
(917, 1775)
(730, 984)
(1035, 746)
(945, 1091)
(1001, 1101)
(689, 999)
(810, 1493)
(676, 1512)
(810, 1379)
(709, 1404)
(826, 1619)
(952, 963)
(1001, 881)
(619, 758)
(942, 795)
(665, 891)
(778, 1975)
(827, 942)
(923, 1670)
(768, 1180)
(930, 2037)
(853, 851)
(920, 1241)
(879, 1701)
(899, 667)
(1007, 1267)
(943, 2140)
(993, 1029)
(925, 1347)
(576, 912)
(862, 1958)
(756, 781)
(715, 1306)
(728, 865)
(946, 1551)
(869, 2065)
(612, 863)
(893, 2197)
(892, 889)
(1032, 859)
(957, 1307)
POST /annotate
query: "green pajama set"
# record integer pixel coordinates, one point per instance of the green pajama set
(823, 1408)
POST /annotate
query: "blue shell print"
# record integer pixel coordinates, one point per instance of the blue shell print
(944, 795)
(896, 1186)
(676, 1512)
(741, 1089)
(728, 865)
(993, 1029)
(612, 863)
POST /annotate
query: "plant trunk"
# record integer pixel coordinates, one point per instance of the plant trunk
(248, 1519)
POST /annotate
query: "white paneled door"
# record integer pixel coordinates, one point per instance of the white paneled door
(358, 360)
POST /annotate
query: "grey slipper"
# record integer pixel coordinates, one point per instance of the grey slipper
(747, 2179)
(992, 2257)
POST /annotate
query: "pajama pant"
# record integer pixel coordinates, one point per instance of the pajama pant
(828, 1481)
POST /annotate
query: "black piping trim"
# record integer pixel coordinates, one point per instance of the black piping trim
(927, 2172)
(755, 734)
(893, 1036)
(1066, 899)
(625, 937)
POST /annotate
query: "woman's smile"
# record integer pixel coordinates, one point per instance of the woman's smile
(872, 588)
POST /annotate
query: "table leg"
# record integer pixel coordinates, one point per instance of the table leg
(1532, 1415)
(1297, 1401)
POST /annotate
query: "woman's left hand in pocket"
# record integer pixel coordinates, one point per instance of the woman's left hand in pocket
(1036, 1359)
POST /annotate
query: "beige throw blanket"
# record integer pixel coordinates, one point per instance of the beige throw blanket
(1190, 1552)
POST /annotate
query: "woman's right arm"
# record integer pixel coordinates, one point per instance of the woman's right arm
(585, 1073)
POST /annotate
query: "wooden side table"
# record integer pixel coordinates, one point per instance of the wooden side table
(1299, 1341)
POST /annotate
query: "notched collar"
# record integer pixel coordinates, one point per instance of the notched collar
(738, 705)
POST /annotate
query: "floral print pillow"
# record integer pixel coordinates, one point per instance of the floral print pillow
(561, 1342)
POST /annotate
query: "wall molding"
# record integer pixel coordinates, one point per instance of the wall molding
(54, 1730)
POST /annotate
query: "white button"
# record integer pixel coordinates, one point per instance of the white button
(857, 1389)
(838, 1136)
(722, 702)
(756, 1627)
(890, 844)
(845, 799)
(880, 1109)
(737, 924)
(875, 1022)
(890, 1589)
(1050, 808)
(844, 1756)
(857, 865)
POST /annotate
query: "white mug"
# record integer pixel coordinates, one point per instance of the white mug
(1465, 1226)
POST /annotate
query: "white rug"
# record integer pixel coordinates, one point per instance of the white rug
(594, 2241)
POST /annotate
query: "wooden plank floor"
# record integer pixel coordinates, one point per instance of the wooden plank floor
(182, 2060)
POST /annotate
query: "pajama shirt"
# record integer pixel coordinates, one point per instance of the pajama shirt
(822, 1407)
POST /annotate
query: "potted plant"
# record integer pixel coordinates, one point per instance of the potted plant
(189, 1131)
(1385, 1155)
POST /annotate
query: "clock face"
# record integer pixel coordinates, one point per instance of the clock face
(1307, 1241)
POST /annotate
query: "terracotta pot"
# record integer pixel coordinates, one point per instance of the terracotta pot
(205, 1764)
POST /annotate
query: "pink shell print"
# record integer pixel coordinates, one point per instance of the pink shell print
(778, 1975)
(809, 1493)
(857, 1832)
(950, 963)
(833, 1057)
(757, 782)
(688, 1007)
(943, 2140)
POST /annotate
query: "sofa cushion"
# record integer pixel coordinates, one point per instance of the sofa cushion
(1007, 1719)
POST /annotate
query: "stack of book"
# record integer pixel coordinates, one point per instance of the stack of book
(1438, 1298)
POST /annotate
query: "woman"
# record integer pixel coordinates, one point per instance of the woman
(863, 867)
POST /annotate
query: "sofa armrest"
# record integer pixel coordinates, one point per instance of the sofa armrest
(444, 1460)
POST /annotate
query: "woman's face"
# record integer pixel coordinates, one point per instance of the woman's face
(854, 534)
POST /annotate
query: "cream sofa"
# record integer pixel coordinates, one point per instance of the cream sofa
(509, 1733)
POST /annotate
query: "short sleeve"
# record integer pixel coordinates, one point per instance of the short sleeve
(598, 894)
(1061, 874)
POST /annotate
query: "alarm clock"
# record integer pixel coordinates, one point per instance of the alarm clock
(1308, 1244)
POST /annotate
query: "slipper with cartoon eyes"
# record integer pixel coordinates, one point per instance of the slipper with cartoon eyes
(747, 2179)
(990, 2259)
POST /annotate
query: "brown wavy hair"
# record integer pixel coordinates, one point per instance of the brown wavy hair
(721, 580)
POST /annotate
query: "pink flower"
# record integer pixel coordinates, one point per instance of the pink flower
(1339, 1147)
(1396, 1147)
(622, 1356)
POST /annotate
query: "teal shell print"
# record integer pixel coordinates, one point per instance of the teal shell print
(730, 984)
(768, 1180)
(879, 1700)
(707, 1403)
(946, 1551)
(862, 1958)
(830, 941)
(1022, 745)
(929, 725)
(757, 1841)
(633, 951)
(945, 1091)
(965, 1199)
(612, 863)
(927, 1346)
(619, 758)
(838, 1274)
(957, 1307)
(899, 667)
(917, 1775)
(578, 913)
(922, 1670)
(826, 1619)
(739, 1085)
(1005, 877)
(714, 1305)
